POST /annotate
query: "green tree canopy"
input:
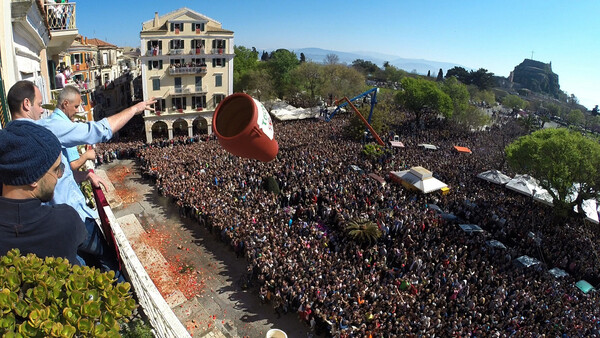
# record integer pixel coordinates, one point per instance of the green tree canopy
(559, 158)
(281, 63)
(460, 74)
(365, 67)
(458, 93)
(341, 80)
(514, 102)
(576, 117)
(245, 60)
(308, 78)
(420, 96)
(260, 84)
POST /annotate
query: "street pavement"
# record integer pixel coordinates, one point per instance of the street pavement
(222, 308)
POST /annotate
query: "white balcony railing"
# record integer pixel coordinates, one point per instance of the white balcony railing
(154, 52)
(218, 51)
(187, 70)
(60, 16)
(176, 51)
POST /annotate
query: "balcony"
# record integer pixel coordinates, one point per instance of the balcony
(183, 91)
(218, 50)
(154, 52)
(176, 52)
(187, 70)
(62, 23)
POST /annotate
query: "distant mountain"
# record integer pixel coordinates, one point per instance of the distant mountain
(420, 65)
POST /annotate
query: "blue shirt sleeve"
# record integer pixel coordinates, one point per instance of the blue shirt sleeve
(73, 134)
(71, 153)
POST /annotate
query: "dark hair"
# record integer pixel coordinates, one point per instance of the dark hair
(18, 93)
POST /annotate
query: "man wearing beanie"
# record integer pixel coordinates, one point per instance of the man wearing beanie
(67, 189)
(30, 166)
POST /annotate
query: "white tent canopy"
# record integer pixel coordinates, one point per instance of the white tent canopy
(418, 177)
(523, 184)
(427, 146)
(494, 176)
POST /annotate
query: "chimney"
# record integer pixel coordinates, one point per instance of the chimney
(155, 23)
(86, 40)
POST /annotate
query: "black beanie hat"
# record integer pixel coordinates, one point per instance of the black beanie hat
(27, 152)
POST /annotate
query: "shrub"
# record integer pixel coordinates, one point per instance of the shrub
(52, 298)
(271, 185)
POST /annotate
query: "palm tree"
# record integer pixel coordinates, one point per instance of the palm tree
(364, 232)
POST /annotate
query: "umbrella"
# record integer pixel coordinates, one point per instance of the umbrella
(495, 244)
(435, 207)
(494, 176)
(470, 228)
(556, 272)
(584, 286)
(527, 261)
(523, 184)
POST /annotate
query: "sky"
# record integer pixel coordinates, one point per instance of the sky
(492, 34)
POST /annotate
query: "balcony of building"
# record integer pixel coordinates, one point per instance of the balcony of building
(219, 51)
(188, 90)
(61, 21)
(176, 51)
(154, 52)
(174, 70)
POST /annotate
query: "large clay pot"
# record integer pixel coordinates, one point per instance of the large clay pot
(244, 128)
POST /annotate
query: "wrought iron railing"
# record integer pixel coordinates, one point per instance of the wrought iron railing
(60, 16)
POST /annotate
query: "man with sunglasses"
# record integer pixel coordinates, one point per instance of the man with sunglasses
(30, 167)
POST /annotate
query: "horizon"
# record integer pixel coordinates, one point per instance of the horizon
(493, 35)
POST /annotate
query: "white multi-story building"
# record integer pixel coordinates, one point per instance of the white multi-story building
(187, 65)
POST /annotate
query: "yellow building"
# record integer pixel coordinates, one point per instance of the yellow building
(187, 64)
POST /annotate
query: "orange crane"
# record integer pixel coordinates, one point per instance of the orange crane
(364, 121)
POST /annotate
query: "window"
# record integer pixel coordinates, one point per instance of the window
(160, 105)
(198, 62)
(198, 27)
(217, 98)
(179, 102)
(219, 62)
(178, 88)
(177, 62)
(156, 84)
(218, 80)
(199, 101)
(176, 27)
(218, 43)
(154, 48)
(104, 58)
(155, 64)
(198, 46)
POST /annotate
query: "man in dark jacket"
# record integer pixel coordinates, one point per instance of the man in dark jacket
(30, 166)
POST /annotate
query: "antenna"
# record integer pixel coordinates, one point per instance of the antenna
(532, 55)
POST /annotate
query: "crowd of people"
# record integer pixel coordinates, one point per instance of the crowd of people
(424, 276)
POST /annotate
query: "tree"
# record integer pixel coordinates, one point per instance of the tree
(429, 73)
(363, 232)
(440, 75)
(302, 58)
(458, 93)
(421, 96)
(514, 102)
(264, 56)
(380, 121)
(260, 84)
(460, 74)
(245, 61)
(595, 111)
(482, 79)
(391, 74)
(576, 117)
(332, 59)
(342, 81)
(471, 118)
(559, 158)
(365, 67)
(308, 78)
(486, 97)
(281, 63)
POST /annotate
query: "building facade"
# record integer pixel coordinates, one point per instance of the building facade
(33, 34)
(187, 65)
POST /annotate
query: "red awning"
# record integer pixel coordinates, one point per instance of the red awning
(462, 149)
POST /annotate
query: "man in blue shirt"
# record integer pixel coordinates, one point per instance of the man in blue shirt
(23, 99)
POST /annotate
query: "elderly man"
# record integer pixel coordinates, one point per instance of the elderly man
(70, 135)
(69, 101)
(30, 166)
